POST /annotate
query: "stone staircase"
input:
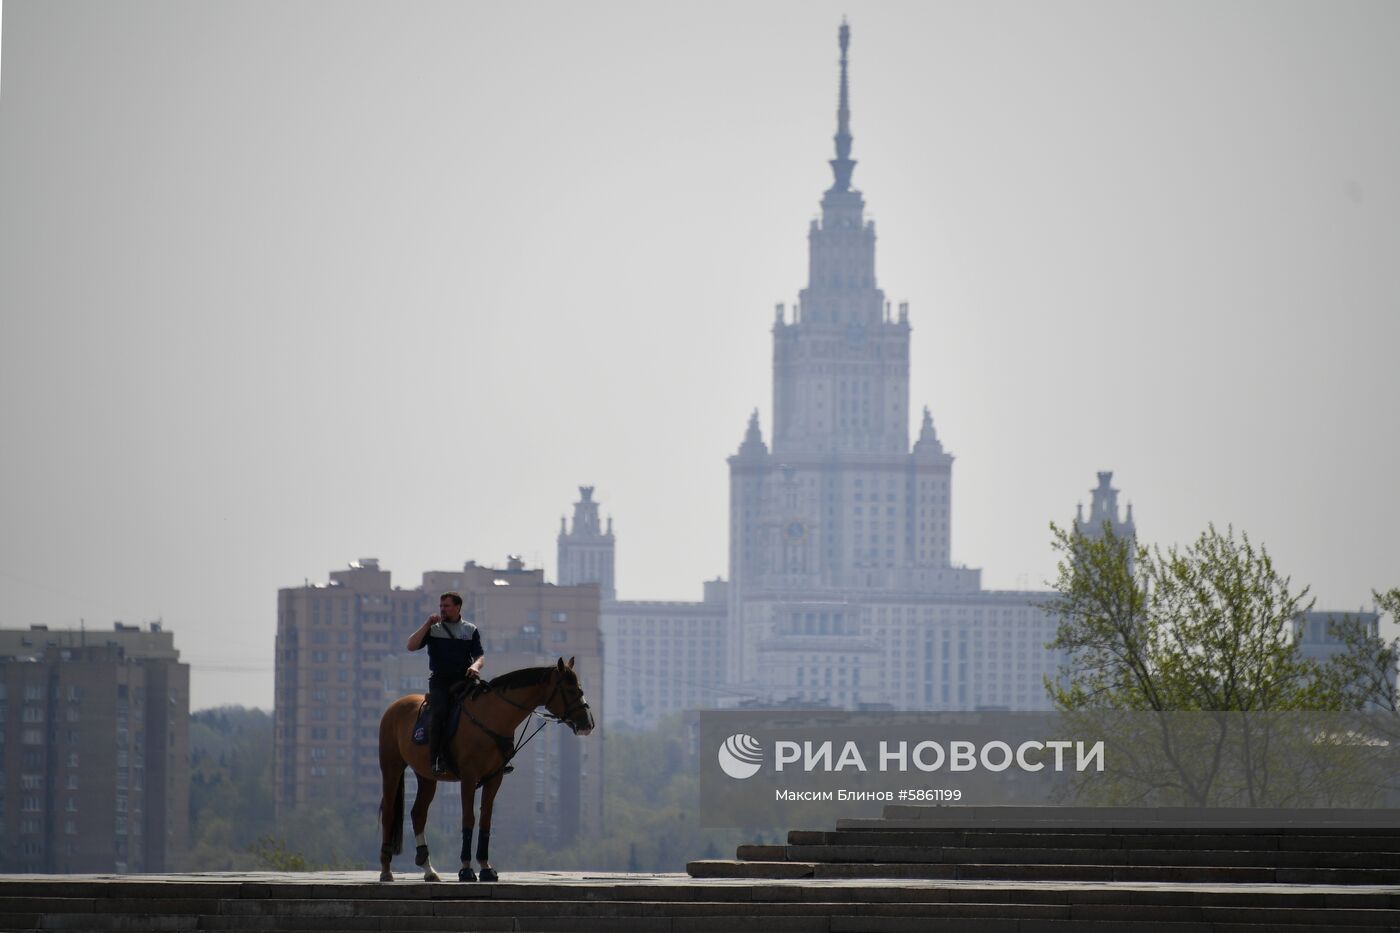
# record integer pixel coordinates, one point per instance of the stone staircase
(1319, 870)
(672, 904)
(962, 870)
(354, 901)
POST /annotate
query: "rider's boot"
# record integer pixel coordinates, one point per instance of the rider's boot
(435, 756)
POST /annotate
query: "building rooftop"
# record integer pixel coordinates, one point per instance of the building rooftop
(152, 642)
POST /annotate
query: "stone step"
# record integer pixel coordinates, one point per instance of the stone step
(1168, 818)
(1015, 871)
(901, 925)
(447, 898)
(770, 917)
(763, 853)
(954, 823)
(954, 916)
(1066, 856)
(837, 904)
(1099, 839)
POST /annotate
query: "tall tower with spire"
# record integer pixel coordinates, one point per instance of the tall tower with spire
(1103, 512)
(841, 364)
(841, 501)
(586, 550)
(839, 512)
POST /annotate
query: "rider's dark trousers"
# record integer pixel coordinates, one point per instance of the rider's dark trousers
(439, 699)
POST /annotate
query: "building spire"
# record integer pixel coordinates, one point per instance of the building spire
(753, 439)
(928, 443)
(843, 165)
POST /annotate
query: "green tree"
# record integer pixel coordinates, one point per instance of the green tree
(1205, 627)
(1366, 669)
(232, 825)
(336, 834)
(231, 802)
(1188, 661)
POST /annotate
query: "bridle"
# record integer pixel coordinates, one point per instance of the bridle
(507, 745)
(565, 717)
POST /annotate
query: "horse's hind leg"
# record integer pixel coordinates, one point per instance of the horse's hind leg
(390, 812)
(483, 836)
(426, 789)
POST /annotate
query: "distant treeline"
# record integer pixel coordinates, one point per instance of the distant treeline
(231, 804)
(651, 811)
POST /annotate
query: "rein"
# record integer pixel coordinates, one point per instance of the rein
(506, 744)
(547, 715)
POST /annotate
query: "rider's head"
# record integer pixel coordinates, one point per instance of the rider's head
(450, 606)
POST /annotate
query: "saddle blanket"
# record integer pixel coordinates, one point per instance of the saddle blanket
(420, 726)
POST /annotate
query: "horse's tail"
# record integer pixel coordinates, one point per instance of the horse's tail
(396, 833)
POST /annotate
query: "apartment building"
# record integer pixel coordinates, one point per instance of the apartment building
(94, 765)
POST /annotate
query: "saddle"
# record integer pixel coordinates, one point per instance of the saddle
(425, 714)
(460, 692)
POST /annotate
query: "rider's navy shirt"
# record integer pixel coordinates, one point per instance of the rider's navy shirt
(452, 647)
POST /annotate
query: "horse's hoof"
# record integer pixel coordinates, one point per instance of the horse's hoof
(431, 876)
(386, 875)
(421, 857)
(489, 874)
(466, 874)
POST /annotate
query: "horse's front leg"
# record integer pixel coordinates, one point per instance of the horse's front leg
(483, 838)
(426, 789)
(469, 780)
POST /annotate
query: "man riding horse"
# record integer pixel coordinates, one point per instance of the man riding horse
(482, 747)
(455, 656)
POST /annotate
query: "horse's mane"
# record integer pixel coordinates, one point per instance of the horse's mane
(525, 677)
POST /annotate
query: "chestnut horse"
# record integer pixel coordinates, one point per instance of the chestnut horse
(481, 749)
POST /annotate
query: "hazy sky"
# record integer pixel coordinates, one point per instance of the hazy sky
(287, 285)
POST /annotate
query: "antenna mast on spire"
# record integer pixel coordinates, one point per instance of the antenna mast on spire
(843, 165)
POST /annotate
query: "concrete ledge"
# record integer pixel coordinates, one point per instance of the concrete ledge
(1179, 856)
(1128, 818)
(755, 853)
(990, 837)
(719, 868)
(832, 897)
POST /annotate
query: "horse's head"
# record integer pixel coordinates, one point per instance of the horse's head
(566, 700)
